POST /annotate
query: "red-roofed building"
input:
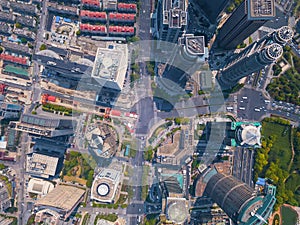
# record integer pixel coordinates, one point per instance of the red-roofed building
(126, 7)
(121, 30)
(90, 15)
(122, 17)
(3, 89)
(115, 112)
(14, 59)
(100, 29)
(93, 3)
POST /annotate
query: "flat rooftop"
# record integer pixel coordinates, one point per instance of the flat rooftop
(62, 197)
(111, 65)
(43, 164)
(175, 13)
(261, 9)
(105, 185)
(195, 45)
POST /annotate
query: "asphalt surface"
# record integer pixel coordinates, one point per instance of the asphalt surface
(146, 114)
(257, 106)
(252, 108)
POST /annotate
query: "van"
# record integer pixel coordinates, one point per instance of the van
(257, 110)
(242, 108)
(245, 97)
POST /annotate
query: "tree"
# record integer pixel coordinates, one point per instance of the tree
(78, 32)
(1, 50)
(2, 166)
(148, 155)
(23, 40)
(250, 40)
(133, 39)
(90, 178)
(43, 47)
(19, 26)
(201, 92)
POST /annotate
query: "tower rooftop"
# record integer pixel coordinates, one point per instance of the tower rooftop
(261, 9)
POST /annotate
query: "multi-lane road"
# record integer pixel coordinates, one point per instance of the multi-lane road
(253, 105)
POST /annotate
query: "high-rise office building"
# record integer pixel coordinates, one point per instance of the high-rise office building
(212, 8)
(187, 58)
(171, 19)
(239, 201)
(255, 57)
(251, 60)
(246, 19)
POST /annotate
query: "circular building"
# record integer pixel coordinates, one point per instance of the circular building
(103, 189)
(248, 134)
(177, 210)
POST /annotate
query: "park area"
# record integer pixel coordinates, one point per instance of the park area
(279, 159)
(78, 168)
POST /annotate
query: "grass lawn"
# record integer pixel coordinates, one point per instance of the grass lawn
(133, 147)
(281, 148)
(288, 216)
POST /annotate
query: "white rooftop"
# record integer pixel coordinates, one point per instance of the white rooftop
(43, 165)
(110, 65)
(251, 135)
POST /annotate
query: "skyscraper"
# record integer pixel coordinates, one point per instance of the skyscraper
(239, 201)
(255, 57)
(190, 54)
(251, 60)
(212, 8)
(171, 19)
(246, 19)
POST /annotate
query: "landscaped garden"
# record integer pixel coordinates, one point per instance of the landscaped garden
(277, 161)
(78, 168)
(286, 87)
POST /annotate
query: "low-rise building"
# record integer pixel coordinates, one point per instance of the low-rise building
(27, 9)
(47, 216)
(127, 7)
(39, 186)
(121, 30)
(62, 9)
(93, 29)
(96, 4)
(110, 5)
(63, 199)
(5, 29)
(26, 21)
(17, 48)
(87, 15)
(10, 111)
(23, 33)
(5, 200)
(14, 59)
(5, 5)
(7, 17)
(106, 185)
(122, 17)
